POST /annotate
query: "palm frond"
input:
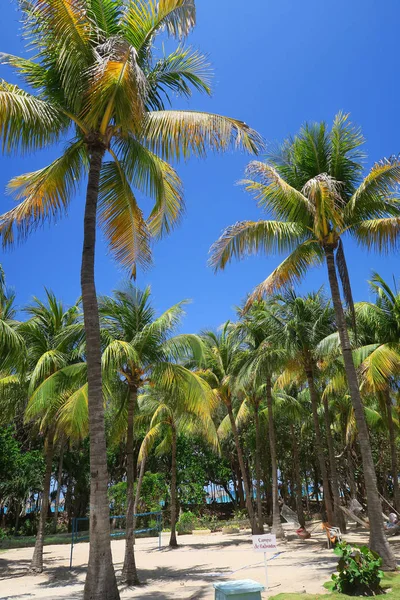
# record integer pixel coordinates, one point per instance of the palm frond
(181, 134)
(178, 73)
(45, 194)
(155, 178)
(143, 20)
(381, 235)
(249, 237)
(27, 123)
(73, 417)
(275, 195)
(122, 220)
(290, 271)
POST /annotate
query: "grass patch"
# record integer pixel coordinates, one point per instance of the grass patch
(390, 581)
(29, 541)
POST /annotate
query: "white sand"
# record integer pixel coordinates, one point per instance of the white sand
(185, 573)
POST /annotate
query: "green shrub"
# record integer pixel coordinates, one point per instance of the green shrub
(209, 522)
(359, 571)
(3, 534)
(187, 522)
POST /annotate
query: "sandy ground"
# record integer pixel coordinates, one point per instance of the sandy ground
(185, 573)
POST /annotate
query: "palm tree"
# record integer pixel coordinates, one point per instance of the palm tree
(262, 364)
(224, 356)
(250, 407)
(174, 414)
(95, 77)
(300, 324)
(291, 406)
(380, 329)
(11, 343)
(314, 190)
(140, 349)
(57, 382)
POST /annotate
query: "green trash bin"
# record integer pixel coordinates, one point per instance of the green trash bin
(246, 589)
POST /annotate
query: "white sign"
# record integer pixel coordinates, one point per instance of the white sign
(264, 543)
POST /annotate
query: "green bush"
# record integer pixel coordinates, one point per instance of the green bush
(187, 522)
(359, 571)
(3, 534)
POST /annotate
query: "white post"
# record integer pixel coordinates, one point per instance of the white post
(266, 571)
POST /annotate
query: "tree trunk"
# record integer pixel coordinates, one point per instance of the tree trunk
(350, 470)
(37, 559)
(277, 528)
(100, 583)
(377, 540)
(129, 572)
(319, 448)
(139, 486)
(297, 478)
(240, 492)
(59, 480)
(248, 499)
(393, 451)
(338, 515)
(258, 469)
(172, 541)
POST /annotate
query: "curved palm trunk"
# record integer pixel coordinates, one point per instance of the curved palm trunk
(338, 515)
(352, 478)
(248, 500)
(297, 478)
(100, 581)
(129, 572)
(37, 559)
(139, 487)
(172, 540)
(318, 443)
(393, 451)
(59, 481)
(377, 539)
(277, 528)
(258, 468)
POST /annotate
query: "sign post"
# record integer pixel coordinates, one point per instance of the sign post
(266, 544)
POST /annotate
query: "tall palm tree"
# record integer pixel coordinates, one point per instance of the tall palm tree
(97, 82)
(250, 408)
(301, 323)
(314, 191)
(140, 350)
(57, 382)
(173, 414)
(264, 359)
(291, 406)
(224, 356)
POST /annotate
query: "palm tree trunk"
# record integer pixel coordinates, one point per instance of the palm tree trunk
(37, 559)
(377, 540)
(338, 515)
(258, 468)
(393, 450)
(59, 481)
(172, 541)
(318, 443)
(248, 499)
(297, 478)
(129, 572)
(277, 528)
(350, 470)
(100, 583)
(139, 486)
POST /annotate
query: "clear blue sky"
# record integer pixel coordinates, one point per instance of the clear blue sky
(277, 64)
